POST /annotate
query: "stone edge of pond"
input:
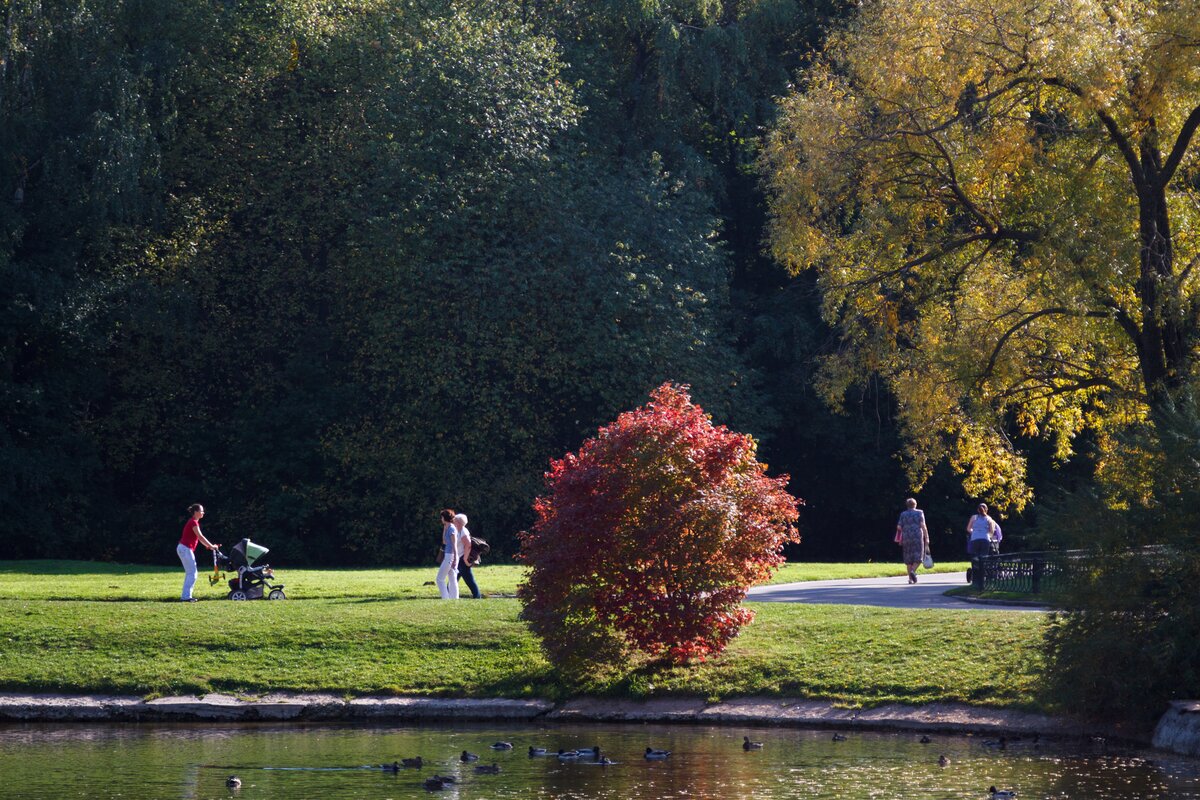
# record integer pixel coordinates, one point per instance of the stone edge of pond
(758, 711)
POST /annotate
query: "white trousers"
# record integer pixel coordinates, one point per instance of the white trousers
(447, 579)
(188, 557)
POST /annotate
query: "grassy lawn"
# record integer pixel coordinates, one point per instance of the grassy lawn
(1043, 598)
(794, 573)
(74, 627)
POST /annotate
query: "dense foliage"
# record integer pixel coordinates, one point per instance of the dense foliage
(999, 199)
(330, 267)
(327, 268)
(1130, 639)
(649, 536)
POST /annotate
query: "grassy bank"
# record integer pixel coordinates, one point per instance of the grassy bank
(372, 631)
(89, 580)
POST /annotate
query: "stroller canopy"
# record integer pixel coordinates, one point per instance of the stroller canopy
(246, 552)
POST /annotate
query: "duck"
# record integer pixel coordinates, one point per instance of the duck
(925, 740)
(1001, 794)
(486, 769)
(435, 784)
(943, 761)
(392, 767)
(412, 763)
(749, 745)
(837, 737)
(233, 782)
(999, 744)
(534, 752)
(502, 746)
(656, 755)
(593, 751)
(568, 755)
(465, 757)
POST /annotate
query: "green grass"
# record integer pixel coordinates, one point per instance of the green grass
(794, 573)
(371, 631)
(1044, 598)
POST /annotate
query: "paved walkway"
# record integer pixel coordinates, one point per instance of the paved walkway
(889, 592)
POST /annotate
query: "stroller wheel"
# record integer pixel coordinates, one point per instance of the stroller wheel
(277, 594)
(237, 594)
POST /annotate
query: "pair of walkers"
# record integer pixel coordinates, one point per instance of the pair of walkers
(912, 535)
(456, 557)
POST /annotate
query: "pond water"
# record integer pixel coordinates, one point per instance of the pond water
(192, 762)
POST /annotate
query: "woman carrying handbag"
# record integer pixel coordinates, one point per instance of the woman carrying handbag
(913, 537)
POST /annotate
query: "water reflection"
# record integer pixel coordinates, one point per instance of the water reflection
(192, 762)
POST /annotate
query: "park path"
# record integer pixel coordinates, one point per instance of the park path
(889, 592)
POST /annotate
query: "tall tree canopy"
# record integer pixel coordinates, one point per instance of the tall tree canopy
(1000, 200)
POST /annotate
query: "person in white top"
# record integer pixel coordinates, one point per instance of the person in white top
(447, 577)
(981, 531)
(465, 561)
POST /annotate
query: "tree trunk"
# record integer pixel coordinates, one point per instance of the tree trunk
(1162, 344)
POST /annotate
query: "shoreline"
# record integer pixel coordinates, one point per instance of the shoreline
(945, 718)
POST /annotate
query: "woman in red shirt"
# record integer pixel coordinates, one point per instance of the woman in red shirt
(187, 549)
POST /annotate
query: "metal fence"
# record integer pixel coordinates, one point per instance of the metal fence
(1036, 572)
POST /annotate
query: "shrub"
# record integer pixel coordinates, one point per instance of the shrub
(649, 536)
(1129, 640)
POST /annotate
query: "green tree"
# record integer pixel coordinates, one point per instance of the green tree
(1129, 639)
(78, 189)
(998, 200)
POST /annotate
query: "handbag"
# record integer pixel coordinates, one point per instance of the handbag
(927, 563)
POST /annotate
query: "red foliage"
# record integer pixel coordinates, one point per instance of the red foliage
(650, 536)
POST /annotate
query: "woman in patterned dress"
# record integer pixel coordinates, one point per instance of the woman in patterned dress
(914, 537)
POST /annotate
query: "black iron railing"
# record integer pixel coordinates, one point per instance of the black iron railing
(1037, 572)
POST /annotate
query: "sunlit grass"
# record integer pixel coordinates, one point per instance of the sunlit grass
(375, 631)
(90, 580)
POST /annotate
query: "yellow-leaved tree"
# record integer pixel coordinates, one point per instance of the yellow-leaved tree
(1000, 199)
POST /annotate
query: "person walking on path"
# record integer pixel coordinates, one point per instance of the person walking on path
(914, 537)
(186, 549)
(981, 532)
(465, 562)
(447, 577)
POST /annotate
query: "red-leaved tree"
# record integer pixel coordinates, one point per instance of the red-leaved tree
(649, 537)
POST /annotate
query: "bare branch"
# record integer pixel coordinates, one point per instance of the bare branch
(1181, 145)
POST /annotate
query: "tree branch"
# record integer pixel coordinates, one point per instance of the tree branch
(991, 365)
(1181, 145)
(1114, 131)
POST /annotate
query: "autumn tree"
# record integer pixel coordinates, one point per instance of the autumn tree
(1000, 200)
(649, 536)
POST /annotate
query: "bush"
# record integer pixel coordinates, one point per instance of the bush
(649, 536)
(1129, 641)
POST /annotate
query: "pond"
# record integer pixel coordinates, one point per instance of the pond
(192, 762)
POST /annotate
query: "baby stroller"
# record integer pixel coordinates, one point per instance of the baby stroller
(251, 582)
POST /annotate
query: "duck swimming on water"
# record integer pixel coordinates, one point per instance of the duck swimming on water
(233, 782)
